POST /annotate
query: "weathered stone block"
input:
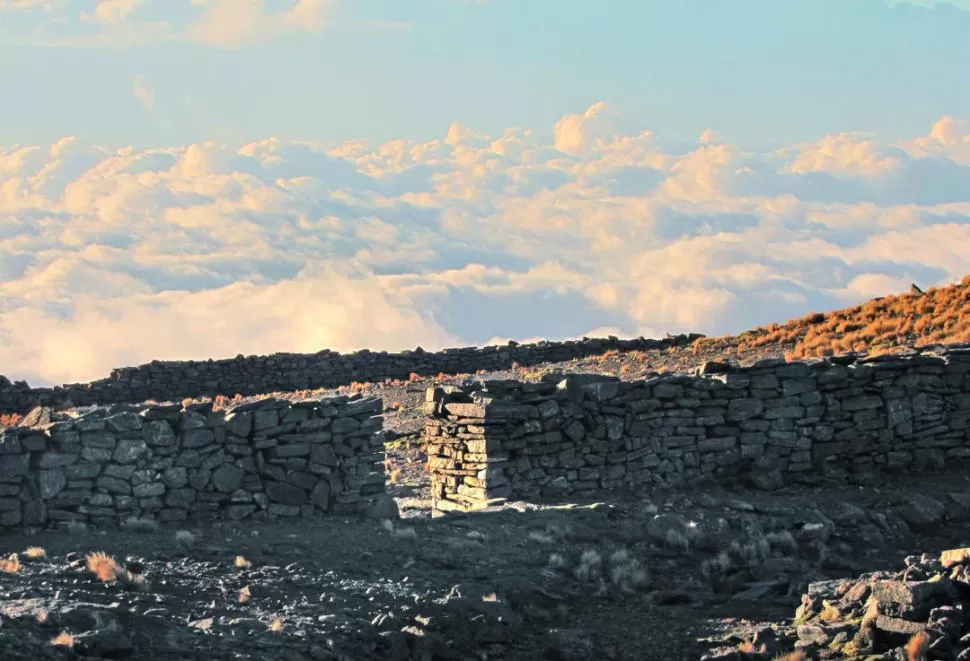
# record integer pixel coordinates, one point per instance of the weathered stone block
(285, 494)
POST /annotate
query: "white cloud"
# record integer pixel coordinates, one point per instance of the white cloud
(48, 6)
(215, 23)
(576, 133)
(143, 92)
(228, 23)
(211, 249)
(113, 11)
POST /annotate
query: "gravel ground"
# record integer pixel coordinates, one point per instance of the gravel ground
(556, 581)
(582, 580)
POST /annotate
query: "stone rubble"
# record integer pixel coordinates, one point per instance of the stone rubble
(879, 615)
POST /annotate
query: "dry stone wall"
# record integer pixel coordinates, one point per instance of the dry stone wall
(250, 375)
(582, 433)
(263, 459)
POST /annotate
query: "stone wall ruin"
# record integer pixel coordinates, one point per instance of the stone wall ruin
(582, 433)
(286, 372)
(262, 459)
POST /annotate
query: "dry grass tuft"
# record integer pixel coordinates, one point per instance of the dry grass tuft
(870, 615)
(63, 639)
(540, 537)
(184, 538)
(590, 563)
(103, 566)
(10, 564)
(917, 646)
(557, 561)
(797, 655)
(139, 525)
(10, 419)
(107, 569)
(627, 573)
(830, 613)
(35, 553)
(782, 541)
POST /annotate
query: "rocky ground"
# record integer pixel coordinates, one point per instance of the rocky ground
(669, 576)
(717, 572)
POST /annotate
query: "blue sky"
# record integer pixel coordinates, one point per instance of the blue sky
(755, 70)
(186, 179)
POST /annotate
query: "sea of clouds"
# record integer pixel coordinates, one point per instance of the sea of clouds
(115, 257)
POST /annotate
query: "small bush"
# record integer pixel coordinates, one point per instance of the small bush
(184, 538)
(107, 570)
(35, 553)
(917, 646)
(10, 564)
(63, 639)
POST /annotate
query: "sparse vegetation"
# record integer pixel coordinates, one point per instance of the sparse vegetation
(621, 570)
(184, 538)
(10, 564)
(610, 570)
(941, 315)
(10, 419)
(63, 639)
(139, 525)
(108, 570)
(917, 646)
(797, 655)
(34, 553)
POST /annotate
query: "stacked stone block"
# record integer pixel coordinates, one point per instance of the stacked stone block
(270, 458)
(251, 375)
(584, 433)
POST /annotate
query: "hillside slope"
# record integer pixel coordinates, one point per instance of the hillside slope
(886, 324)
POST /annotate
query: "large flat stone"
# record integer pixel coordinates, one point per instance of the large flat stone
(285, 494)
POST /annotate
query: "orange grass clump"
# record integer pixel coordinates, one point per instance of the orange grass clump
(103, 566)
(10, 419)
(35, 553)
(63, 639)
(917, 646)
(797, 655)
(107, 569)
(10, 564)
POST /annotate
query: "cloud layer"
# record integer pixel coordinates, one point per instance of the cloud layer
(112, 257)
(217, 23)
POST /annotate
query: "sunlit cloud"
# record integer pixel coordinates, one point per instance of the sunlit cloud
(118, 256)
